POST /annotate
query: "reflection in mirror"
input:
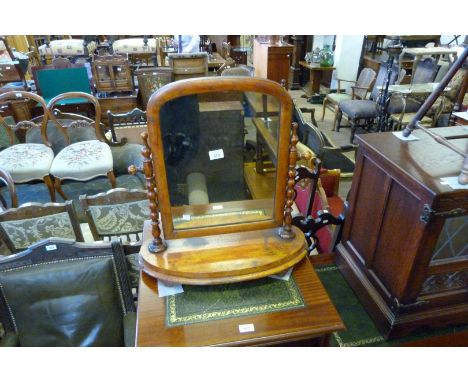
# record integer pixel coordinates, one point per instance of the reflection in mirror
(220, 154)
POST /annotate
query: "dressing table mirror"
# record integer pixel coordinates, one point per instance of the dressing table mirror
(207, 225)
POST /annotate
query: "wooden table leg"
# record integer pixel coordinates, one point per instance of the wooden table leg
(315, 80)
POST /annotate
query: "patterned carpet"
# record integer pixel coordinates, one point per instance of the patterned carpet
(361, 330)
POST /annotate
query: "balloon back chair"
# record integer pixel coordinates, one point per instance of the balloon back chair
(26, 162)
(82, 159)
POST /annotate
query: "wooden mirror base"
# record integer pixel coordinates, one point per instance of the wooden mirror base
(222, 259)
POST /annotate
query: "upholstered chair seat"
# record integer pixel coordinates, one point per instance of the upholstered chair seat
(86, 154)
(27, 161)
(395, 106)
(83, 161)
(338, 97)
(357, 109)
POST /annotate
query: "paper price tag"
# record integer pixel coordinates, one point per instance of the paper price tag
(218, 207)
(216, 154)
(185, 217)
(51, 247)
(246, 328)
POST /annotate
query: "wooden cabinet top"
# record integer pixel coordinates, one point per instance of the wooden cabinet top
(423, 160)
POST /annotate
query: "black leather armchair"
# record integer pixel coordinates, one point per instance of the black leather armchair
(62, 293)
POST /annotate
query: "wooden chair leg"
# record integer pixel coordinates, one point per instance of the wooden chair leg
(111, 177)
(336, 109)
(325, 101)
(353, 130)
(58, 188)
(339, 116)
(50, 187)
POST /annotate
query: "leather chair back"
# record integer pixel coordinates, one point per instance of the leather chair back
(60, 293)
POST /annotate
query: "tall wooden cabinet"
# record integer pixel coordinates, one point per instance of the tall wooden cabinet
(272, 61)
(404, 248)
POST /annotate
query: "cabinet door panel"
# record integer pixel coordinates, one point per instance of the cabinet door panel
(393, 259)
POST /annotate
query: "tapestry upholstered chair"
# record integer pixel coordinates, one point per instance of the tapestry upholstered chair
(62, 293)
(117, 213)
(32, 222)
(331, 156)
(359, 91)
(26, 162)
(362, 113)
(6, 178)
(87, 156)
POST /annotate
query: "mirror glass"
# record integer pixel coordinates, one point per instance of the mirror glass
(220, 154)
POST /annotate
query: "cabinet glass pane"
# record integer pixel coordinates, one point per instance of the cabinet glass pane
(453, 239)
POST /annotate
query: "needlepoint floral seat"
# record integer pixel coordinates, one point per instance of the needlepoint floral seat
(27, 161)
(83, 161)
(87, 157)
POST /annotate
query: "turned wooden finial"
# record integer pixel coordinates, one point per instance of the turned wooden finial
(156, 245)
(286, 231)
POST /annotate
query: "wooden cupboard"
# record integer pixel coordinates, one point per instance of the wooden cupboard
(404, 248)
(272, 61)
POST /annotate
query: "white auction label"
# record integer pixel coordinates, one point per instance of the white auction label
(51, 247)
(186, 217)
(246, 328)
(216, 154)
(218, 207)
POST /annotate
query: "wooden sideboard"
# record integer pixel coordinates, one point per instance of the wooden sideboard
(272, 61)
(404, 247)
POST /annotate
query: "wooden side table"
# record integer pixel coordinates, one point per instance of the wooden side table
(309, 325)
(316, 74)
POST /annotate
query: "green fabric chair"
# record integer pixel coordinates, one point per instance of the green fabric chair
(53, 82)
(62, 293)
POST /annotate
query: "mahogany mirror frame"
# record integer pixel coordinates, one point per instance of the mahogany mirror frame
(203, 85)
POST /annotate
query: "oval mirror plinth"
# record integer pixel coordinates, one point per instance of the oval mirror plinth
(224, 258)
